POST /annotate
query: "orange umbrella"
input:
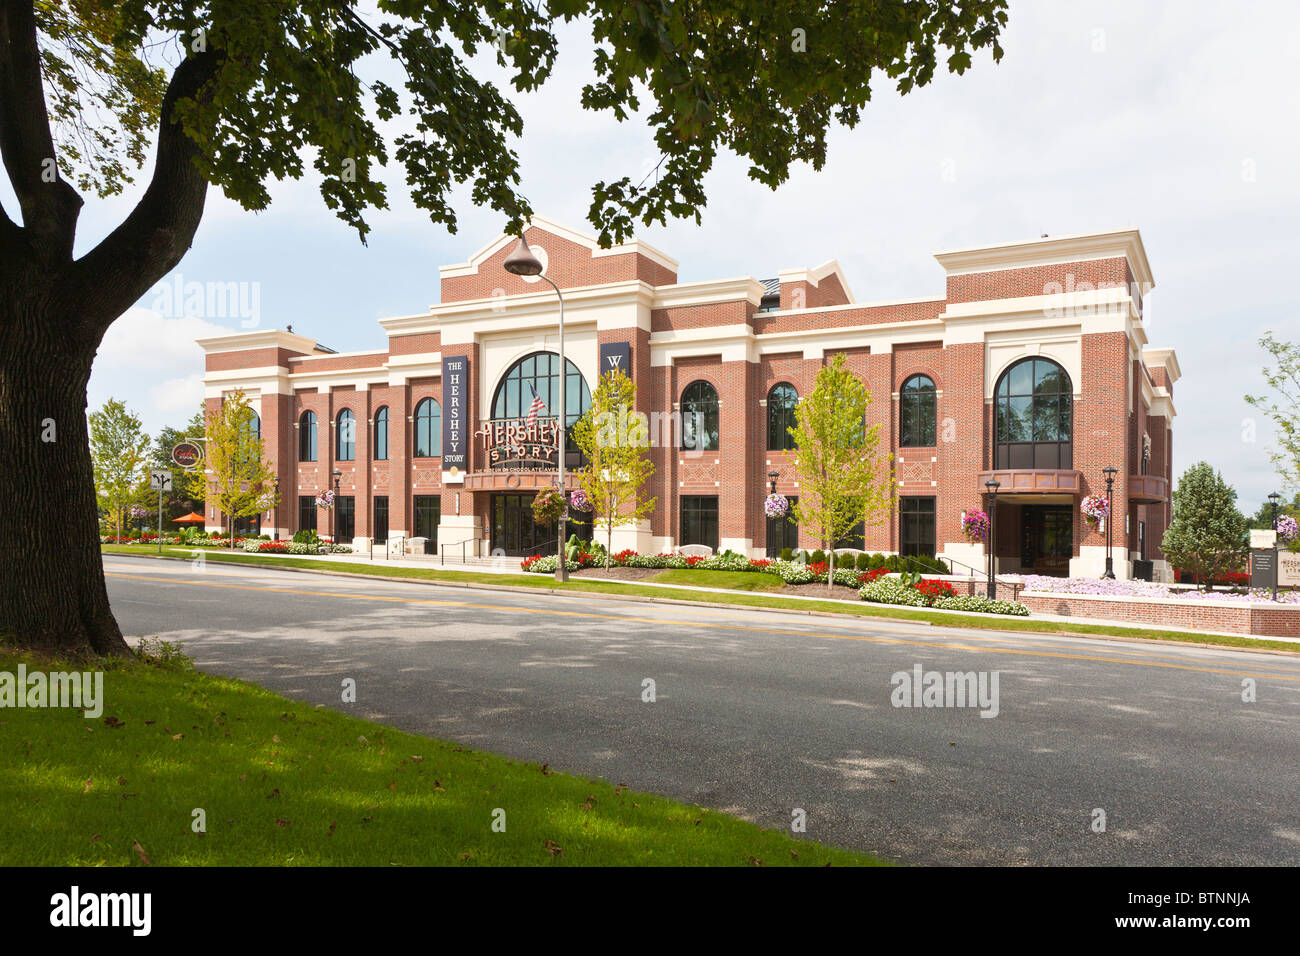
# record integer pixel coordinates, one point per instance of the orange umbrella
(190, 518)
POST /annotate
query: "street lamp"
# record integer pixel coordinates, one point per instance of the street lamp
(333, 520)
(992, 485)
(1273, 500)
(522, 262)
(1109, 471)
(270, 512)
(772, 476)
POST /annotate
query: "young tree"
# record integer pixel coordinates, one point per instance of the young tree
(119, 449)
(1284, 409)
(235, 476)
(1207, 535)
(237, 93)
(615, 440)
(843, 476)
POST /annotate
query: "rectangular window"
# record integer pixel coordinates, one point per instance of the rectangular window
(345, 518)
(380, 528)
(306, 512)
(855, 537)
(783, 532)
(700, 520)
(916, 534)
(428, 512)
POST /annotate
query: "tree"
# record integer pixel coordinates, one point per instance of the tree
(119, 450)
(237, 93)
(615, 441)
(1207, 535)
(1284, 409)
(235, 476)
(177, 501)
(843, 476)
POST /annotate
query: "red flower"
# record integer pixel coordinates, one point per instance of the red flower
(693, 560)
(866, 577)
(819, 568)
(759, 563)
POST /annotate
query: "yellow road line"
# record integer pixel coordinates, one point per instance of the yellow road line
(735, 627)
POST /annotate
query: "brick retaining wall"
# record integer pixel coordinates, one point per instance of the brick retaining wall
(1256, 619)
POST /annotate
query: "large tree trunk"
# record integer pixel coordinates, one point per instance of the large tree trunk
(52, 592)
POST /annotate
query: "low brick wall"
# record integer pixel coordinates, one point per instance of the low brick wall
(1261, 620)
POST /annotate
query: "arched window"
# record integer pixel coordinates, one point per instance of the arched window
(1034, 416)
(700, 417)
(916, 413)
(307, 437)
(781, 403)
(540, 373)
(428, 429)
(381, 434)
(346, 440)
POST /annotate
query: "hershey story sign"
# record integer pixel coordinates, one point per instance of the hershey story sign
(455, 412)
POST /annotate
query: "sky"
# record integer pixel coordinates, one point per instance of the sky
(1181, 118)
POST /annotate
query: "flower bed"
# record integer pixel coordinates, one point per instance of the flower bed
(888, 590)
(1101, 587)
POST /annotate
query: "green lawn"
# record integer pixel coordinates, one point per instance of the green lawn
(733, 580)
(283, 783)
(545, 582)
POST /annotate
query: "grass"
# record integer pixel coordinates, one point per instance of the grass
(733, 580)
(284, 783)
(886, 612)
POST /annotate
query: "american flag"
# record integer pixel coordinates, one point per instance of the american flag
(537, 406)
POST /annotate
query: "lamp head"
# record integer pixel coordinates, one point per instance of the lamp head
(521, 261)
(1274, 498)
(993, 485)
(1109, 471)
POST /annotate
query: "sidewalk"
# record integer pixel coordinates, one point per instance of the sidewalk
(510, 566)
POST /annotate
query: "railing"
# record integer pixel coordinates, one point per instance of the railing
(442, 549)
(1015, 586)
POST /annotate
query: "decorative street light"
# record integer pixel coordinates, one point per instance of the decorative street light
(522, 262)
(1273, 500)
(772, 476)
(1109, 471)
(992, 485)
(333, 520)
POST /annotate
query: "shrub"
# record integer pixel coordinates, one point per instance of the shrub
(973, 602)
(786, 554)
(862, 561)
(817, 557)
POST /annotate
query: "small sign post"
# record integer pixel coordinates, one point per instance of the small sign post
(160, 480)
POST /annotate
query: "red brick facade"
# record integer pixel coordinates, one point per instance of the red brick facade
(715, 332)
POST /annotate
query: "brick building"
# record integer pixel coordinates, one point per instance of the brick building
(1032, 366)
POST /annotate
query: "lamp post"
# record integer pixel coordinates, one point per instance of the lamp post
(333, 520)
(772, 476)
(270, 512)
(1109, 471)
(1273, 500)
(992, 485)
(522, 262)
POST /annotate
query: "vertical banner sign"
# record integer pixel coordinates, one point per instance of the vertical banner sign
(616, 357)
(455, 412)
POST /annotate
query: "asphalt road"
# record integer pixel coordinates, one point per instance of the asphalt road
(757, 713)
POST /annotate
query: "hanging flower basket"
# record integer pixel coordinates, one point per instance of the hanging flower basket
(1287, 529)
(1095, 510)
(548, 506)
(975, 525)
(579, 501)
(325, 499)
(776, 506)
(139, 511)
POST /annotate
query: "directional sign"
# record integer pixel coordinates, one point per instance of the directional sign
(160, 480)
(187, 454)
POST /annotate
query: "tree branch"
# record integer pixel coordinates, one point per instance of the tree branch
(49, 204)
(159, 230)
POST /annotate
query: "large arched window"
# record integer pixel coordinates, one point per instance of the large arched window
(381, 434)
(540, 373)
(781, 403)
(346, 439)
(1034, 416)
(428, 429)
(916, 412)
(700, 417)
(307, 437)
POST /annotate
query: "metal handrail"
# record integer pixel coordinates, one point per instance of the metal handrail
(442, 550)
